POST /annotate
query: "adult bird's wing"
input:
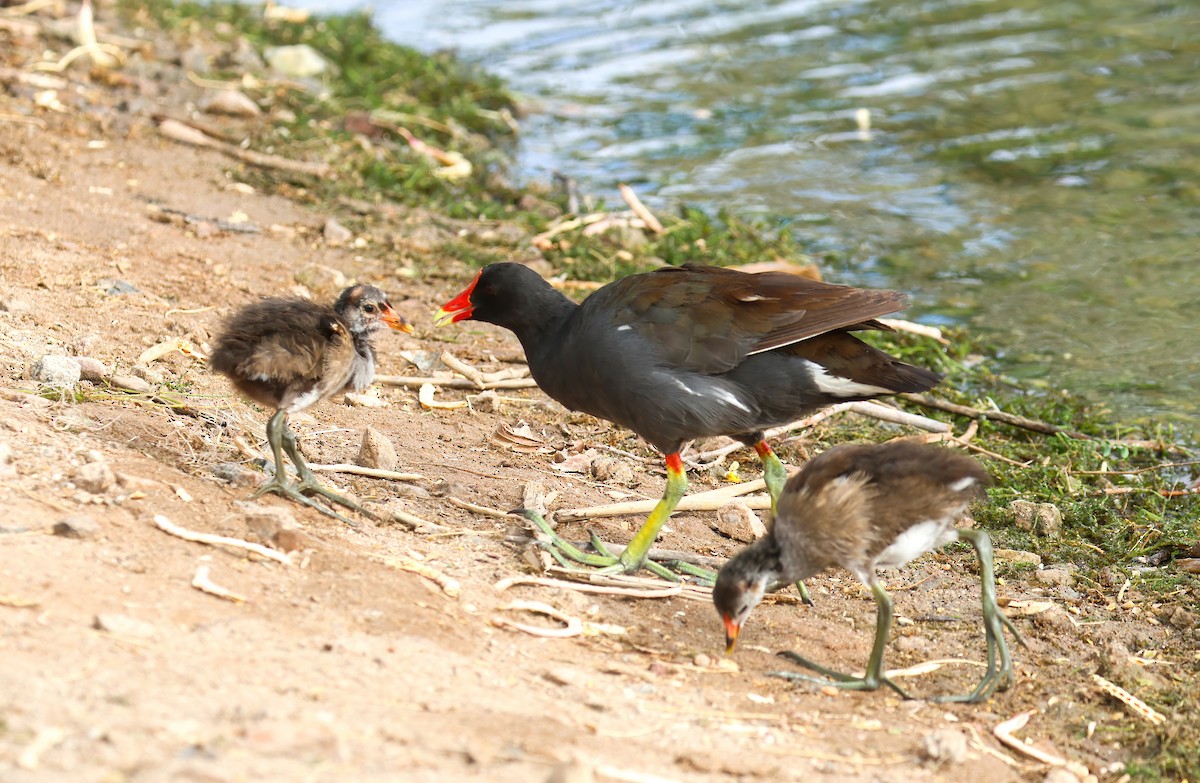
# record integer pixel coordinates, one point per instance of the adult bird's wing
(709, 319)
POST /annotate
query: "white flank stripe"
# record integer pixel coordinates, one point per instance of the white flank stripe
(624, 328)
(715, 392)
(302, 401)
(962, 483)
(917, 540)
(841, 387)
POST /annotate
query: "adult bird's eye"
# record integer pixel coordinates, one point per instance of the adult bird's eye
(368, 308)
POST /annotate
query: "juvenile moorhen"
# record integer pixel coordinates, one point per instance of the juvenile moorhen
(863, 508)
(689, 352)
(287, 354)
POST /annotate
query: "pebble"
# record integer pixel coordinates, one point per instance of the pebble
(572, 772)
(232, 103)
(612, 470)
(945, 745)
(149, 375)
(59, 371)
(235, 474)
(94, 477)
(297, 61)
(1060, 775)
(10, 304)
(130, 383)
(1181, 619)
(318, 277)
(124, 625)
(91, 370)
(738, 521)
(1055, 618)
(77, 526)
(376, 451)
(335, 233)
(1043, 519)
(1053, 576)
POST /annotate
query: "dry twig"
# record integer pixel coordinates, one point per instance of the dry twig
(640, 209)
(656, 590)
(185, 134)
(345, 467)
(926, 401)
(202, 582)
(167, 526)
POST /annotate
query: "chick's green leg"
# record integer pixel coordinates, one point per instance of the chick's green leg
(775, 476)
(874, 676)
(278, 436)
(994, 623)
(309, 481)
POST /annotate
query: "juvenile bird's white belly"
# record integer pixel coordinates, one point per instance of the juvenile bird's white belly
(917, 540)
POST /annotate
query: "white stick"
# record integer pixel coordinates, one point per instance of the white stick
(640, 209)
(454, 383)
(345, 467)
(204, 584)
(167, 526)
(897, 416)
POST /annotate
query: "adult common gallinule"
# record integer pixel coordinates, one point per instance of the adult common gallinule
(290, 353)
(862, 508)
(693, 351)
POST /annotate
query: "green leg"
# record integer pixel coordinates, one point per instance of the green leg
(994, 623)
(635, 555)
(280, 438)
(775, 476)
(874, 675)
(309, 481)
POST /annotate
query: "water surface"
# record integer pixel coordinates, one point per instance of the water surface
(1032, 169)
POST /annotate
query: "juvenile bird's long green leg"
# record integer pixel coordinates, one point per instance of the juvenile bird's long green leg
(775, 476)
(636, 553)
(994, 623)
(874, 675)
(280, 438)
(309, 481)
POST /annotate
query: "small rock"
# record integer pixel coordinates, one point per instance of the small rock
(1017, 556)
(149, 375)
(124, 625)
(738, 521)
(59, 371)
(612, 470)
(94, 477)
(116, 287)
(945, 745)
(321, 278)
(265, 522)
(299, 61)
(77, 526)
(84, 344)
(1181, 619)
(336, 234)
(1060, 775)
(195, 59)
(235, 474)
(130, 383)
(232, 103)
(1055, 618)
(1053, 576)
(10, 304)
(91, 370)
(376, 451)
(244, 57)
(1043, 519)
(703, 660)
(485, 402)
(576, 771)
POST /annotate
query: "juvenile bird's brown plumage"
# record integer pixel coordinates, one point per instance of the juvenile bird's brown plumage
(863, 507)
(289, 353)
